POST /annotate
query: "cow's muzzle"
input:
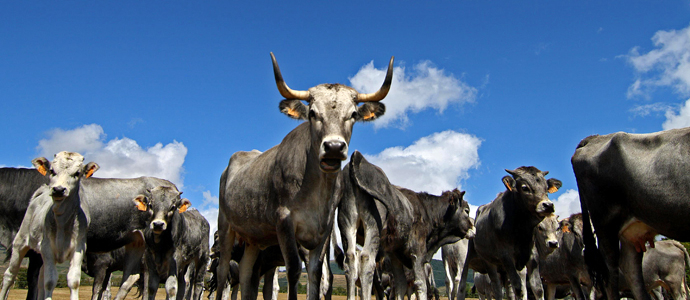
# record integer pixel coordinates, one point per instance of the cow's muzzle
(158, 226)
(58, 193)
(545, 208)
(333, 153)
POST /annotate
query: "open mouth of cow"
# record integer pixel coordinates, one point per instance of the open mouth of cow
(330, 164)
(157, 230)
(58, 198)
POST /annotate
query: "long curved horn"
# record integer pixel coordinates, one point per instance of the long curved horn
(283, 88)
(383, 91)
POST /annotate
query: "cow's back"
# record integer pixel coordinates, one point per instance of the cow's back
(622, 175)
(113, 214)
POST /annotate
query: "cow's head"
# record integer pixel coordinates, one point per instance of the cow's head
(65, 172)
(458, 215)
(332, 110)
(545, 234)
(529, 185)
(162, 202)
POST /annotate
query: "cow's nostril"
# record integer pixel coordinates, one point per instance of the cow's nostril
(333, 146)
(59, 190)
(553, 244)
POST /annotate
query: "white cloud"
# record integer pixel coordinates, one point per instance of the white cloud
(426, 87)
(211, 215)
(434, 164)
(648, 109)
(118, 158)
(667, 65)
(678, 120)
(567, 204)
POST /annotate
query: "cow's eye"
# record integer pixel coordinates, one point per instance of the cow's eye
(354, 115)
(525, 188)
(52, 172)
(77, 174)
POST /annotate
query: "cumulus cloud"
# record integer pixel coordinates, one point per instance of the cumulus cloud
(648, 109)
(567, 204)
(667, 65)
(211, 215)
(677, 120)
(426, 87)
(433, 164)
(118, 158)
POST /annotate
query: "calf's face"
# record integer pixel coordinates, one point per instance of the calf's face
(458, 215)
(65, 172)
(545, 234)
(532, 189)
(163, 202)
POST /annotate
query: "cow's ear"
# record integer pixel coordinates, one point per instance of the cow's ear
(90, 168)
(509, 182)
(456, 197)
(294, 109)
(42, 165)
(141, 203)
(554, 185)
(370, 111)
(184, 205)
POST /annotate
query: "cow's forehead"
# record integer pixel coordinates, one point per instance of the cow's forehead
(67, 160)
(327, 97)
(164, 193)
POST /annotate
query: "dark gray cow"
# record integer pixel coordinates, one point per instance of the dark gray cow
(413, 226)
(562, 266)
(101, 265)
(505, 226)
(176, 243)
(632, 187)
(55, 224)
(482, 285)
(17, 185)
(284, 196)
(114, 222)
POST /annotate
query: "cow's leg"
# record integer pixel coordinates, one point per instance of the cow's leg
(399, 281)
(151, 278)
(347, 222)
(326, 279)
(172, 280)
(631, 264)
(50, 275)
(226, 240)
(450, 284)
(368, 259)
(575, 287)
(315, 270)
(235, 289)
(496, 283)
(108, 284)
(534, 277)
(15, 262)
(271, 286)
(74, 272)
(516, 279)
(100, 278)
(288, 246)
(462, 285)
(35, 263)
(249, 290)
(609, 248)
(134, 251)
(419, 284)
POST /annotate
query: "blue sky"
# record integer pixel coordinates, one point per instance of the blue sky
(171, 89)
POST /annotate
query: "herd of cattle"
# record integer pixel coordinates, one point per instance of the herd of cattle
(278, 208)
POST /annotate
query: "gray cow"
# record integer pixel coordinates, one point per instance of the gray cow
(632, 187)
(55, 224)
(453, 256)
(505, 226)
(176, 244)
(284, 196)
(114, 222)
(563, 266)
(664, 266)
(409, 226)
(482, 285)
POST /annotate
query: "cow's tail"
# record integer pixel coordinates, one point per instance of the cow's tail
(596, 266)
(687, 265)
(371, 179)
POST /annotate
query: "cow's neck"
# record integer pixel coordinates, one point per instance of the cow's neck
(436, 208)
(68, 207)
